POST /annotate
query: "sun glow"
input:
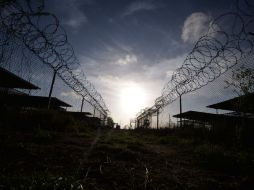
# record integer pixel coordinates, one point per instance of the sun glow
(133, 99)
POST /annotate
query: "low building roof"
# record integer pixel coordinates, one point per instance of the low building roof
(79, 113)
(31, 101)
(10, 80)
(243, 103)
(209, 117)
(194, 115)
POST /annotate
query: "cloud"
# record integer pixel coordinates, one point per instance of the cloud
(128, 59)
(71, 12)
(70, 94)
(164, 68)
(138, 6)
(76, 20)
(195, 26)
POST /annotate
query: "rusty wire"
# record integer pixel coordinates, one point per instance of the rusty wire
(40, 32)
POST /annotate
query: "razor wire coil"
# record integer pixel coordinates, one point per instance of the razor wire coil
(229, 40)
(41, 33)
(220, 49)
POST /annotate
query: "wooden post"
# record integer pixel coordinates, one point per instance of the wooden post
(82, 103)
(51, 88)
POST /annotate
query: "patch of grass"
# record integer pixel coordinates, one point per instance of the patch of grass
(119, 146)
(43, 136)
(122, 139)
(173, 140)
(218, 158)
(100, 158)
(40, 182)
(212, 156)
(112, 149)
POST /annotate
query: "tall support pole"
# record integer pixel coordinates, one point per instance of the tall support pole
(51, 88)
(93, 111)
(105, 120)
(169, 120)
(101, 119)
(181, 119)
(82, 103)
(148, 120)
(158, 118)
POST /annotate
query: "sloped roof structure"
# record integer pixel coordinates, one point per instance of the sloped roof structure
(10, 80)
(243, 103)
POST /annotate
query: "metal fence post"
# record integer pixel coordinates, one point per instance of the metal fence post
(51, 89)
(158, 118)
(94, 111)
(82, 103)
(181, 120)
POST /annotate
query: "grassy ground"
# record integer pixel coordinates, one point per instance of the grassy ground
(98, 158)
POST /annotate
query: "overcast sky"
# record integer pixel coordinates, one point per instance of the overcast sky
(125, 43)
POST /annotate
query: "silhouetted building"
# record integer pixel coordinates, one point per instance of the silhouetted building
(243, 104)
(31, 102)
(202, 119)
(9, 80)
